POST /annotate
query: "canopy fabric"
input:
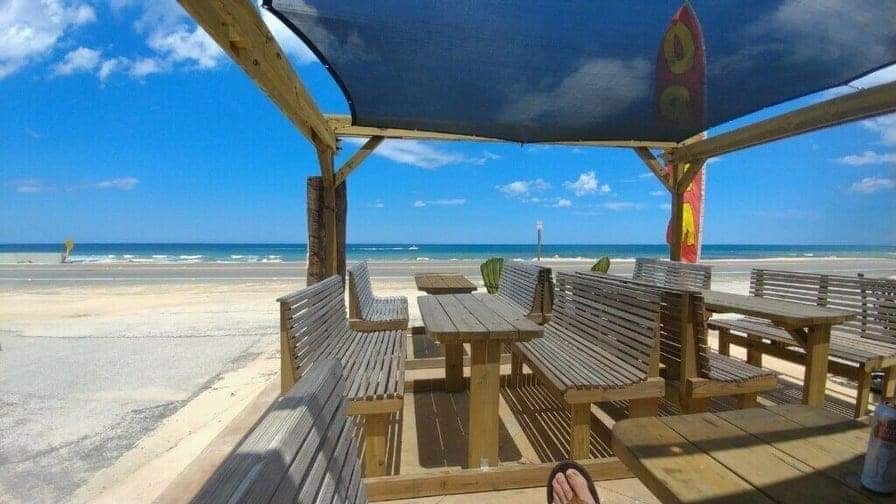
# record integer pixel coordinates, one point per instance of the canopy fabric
(564, 71)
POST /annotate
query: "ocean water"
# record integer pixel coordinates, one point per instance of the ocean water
(280, 252)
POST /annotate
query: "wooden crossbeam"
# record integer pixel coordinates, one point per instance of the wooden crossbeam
(688, 176)
(369, 146)
(464, 481)
(238, 28)
(854, 106)
(342, 125)
(655, 166)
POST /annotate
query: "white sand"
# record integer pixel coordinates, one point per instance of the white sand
(114, 377)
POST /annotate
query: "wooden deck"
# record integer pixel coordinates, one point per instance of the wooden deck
(534, 432)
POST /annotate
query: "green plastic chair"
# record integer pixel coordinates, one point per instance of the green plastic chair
(602, 265)
(491, 273)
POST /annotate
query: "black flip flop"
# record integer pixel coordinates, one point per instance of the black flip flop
(564, 466)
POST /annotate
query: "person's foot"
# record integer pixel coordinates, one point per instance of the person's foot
(571, 488)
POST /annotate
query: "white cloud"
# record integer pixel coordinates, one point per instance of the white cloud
(440, 202)
(31, 186)
(522, 188)
(30, 30)
(712, 160)
(563, 203)
(174, 42)
(620, 205)
(145, 66)
(658, 193)
(867, 158)
(666, 206)
(421, 154)
(39, 186)
(82, 59)
(870, 185)
(111, 66)
(121, 184)
(885, 125)
(184, 45)
(586, 184)
(377, 204)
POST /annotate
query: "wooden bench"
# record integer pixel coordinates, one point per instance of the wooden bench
(858, 347)
(314, 327)
(689, 363)
(528, 288)
(302, 450)
(601, 344)
(368, 312)
(672, 274)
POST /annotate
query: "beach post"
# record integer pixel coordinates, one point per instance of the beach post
(539, 227)
(319, 241)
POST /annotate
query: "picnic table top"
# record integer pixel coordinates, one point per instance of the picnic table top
(787, 454)
(443, 283)
(464, 318)
(787, 314)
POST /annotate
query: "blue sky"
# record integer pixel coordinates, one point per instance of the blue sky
(122, 122)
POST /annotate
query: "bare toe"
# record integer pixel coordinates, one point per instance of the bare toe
(579, 486)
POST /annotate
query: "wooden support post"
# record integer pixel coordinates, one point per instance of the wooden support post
(724, 342)
(818, 343)
(287, 369)
(318, 243)
(375, 429)
(341, 221)
(485, 374)
(689, 351)
(676, 222)
(888, 387)
(325, 156)
(454, 367)
(745, 401)
(754, 355)
(516, 370)
(317, 270)
(580, 431)
(863, 390)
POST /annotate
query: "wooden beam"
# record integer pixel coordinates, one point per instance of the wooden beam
(238, 28)
(342, 125)
(325, 157)
(854, 106)
(676, 222)
(655, 166)
(494, 479)
(365, 150)
(688, 175)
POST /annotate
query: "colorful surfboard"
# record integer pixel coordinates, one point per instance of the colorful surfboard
(680, 96)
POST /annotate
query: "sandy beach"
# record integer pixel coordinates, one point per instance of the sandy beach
(114, 376)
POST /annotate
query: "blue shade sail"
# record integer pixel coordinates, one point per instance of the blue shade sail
(555, 71)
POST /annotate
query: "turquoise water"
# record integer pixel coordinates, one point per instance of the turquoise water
(279, 252)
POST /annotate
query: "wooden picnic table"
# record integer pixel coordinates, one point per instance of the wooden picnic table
(443, 283)
(485, 322)
(789, 454)
(810, 325)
